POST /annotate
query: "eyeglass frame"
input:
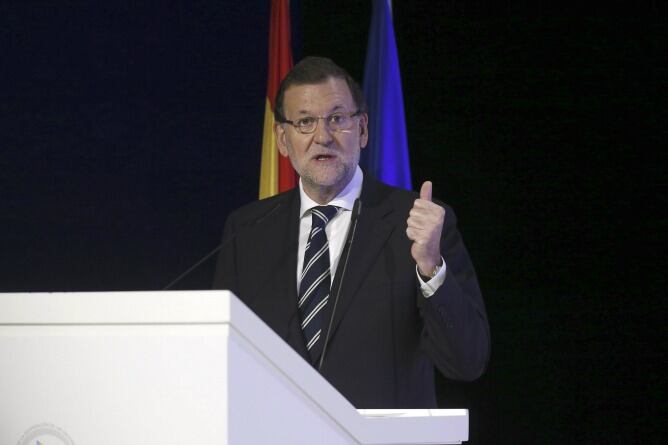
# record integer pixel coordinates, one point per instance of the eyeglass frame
(356, 113)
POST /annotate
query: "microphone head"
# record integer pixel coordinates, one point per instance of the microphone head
(357, 209)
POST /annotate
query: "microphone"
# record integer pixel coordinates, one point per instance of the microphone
(222, 245)
(357, 208)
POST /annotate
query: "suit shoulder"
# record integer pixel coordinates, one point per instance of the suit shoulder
(255, 210)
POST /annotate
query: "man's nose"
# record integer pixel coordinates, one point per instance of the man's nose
(323, 135)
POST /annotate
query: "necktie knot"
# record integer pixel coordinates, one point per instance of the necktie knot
(323, 214)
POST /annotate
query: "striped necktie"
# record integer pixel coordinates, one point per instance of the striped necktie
(315, 281)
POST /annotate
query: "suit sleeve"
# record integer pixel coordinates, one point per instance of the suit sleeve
(456, 331)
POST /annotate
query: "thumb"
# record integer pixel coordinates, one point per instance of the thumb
(425, 191)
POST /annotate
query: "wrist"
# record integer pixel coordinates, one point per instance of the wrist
(429, 270)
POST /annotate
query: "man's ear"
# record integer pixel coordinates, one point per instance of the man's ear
(364, 129)
(279, 134)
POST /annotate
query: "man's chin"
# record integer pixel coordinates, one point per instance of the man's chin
(326, 180)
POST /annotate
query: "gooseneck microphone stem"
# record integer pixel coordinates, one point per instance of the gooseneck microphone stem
(221, 246)
(357, 207)
(196, 265)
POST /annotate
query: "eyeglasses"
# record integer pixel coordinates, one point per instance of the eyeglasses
(334, 122)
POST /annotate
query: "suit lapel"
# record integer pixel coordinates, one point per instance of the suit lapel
(274, 296)
(373, 230)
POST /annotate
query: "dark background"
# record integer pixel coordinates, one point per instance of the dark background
(129, 130)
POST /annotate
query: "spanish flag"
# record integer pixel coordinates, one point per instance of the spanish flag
(276, 172)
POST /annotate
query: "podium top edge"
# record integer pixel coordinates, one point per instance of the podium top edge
(140, 307)
(402, 413)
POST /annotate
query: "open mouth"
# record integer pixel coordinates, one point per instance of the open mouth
(323, 157)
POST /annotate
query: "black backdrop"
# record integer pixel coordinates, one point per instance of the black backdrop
(128, 131)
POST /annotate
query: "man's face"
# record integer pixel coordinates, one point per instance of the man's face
(324, 159)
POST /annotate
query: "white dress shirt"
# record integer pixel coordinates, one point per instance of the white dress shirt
(337, 230)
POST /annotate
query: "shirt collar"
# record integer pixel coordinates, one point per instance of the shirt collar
(345, 199)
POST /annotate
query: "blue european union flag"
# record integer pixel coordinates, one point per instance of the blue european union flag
(386, 156)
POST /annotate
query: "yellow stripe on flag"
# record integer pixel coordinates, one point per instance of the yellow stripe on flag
(269, 163)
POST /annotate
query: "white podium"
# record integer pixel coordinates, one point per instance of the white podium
(178, 367)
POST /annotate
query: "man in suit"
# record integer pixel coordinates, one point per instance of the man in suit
(408, 300)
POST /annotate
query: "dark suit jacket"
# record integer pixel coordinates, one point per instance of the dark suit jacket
(386, 337)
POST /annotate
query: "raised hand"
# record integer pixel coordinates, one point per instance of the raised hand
(424, 226)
